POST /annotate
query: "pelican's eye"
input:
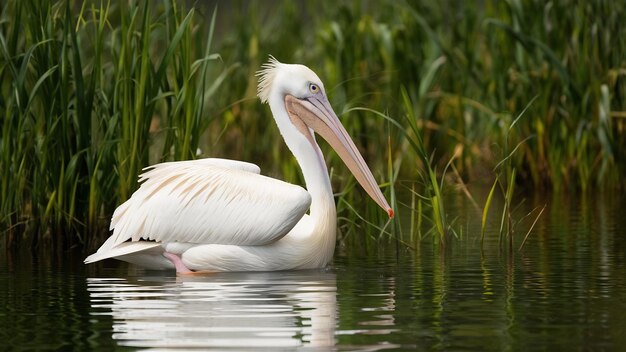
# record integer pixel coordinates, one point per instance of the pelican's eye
(314, 88)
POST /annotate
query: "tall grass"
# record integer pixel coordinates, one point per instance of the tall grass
(86, 90)
(91, 92)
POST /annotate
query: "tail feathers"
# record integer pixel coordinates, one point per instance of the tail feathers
(123, 249)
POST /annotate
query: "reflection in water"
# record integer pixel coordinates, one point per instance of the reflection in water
(565, 291)
(278, 310)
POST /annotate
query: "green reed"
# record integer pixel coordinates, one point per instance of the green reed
(91, 92)
(85, 93)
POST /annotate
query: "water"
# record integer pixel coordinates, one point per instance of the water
(566, 290)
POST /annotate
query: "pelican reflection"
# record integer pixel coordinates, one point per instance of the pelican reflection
(236, 310)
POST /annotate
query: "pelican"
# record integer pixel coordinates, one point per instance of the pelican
(211, 214)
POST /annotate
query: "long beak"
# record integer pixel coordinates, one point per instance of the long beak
(318, 115)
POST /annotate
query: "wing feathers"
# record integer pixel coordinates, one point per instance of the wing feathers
(124, 249)
(208, 201)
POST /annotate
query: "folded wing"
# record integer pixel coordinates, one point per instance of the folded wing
(208, 201)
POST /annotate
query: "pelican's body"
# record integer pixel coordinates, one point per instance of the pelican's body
(222, 215)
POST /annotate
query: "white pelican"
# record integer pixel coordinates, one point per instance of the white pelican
(222, 215)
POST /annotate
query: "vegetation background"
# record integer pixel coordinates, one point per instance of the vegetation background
(527, 93)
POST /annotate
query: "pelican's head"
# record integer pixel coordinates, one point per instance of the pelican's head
(303, 95)
(297, 80)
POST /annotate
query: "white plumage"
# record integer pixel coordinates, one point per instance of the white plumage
(222, 215)
(202, 202)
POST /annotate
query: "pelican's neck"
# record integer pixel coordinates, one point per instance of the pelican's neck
(317, 182)
(311, 161)
(315, 246)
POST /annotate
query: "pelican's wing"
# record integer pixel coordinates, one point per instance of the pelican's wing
(208, 201)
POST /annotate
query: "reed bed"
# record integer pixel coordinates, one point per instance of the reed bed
(91, 92)
(87, 91)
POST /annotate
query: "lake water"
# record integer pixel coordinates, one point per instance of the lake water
(566, 290)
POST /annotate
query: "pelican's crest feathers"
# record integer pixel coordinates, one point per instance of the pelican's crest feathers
(266, 77)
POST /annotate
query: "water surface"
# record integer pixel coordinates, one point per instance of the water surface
(566, 290)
